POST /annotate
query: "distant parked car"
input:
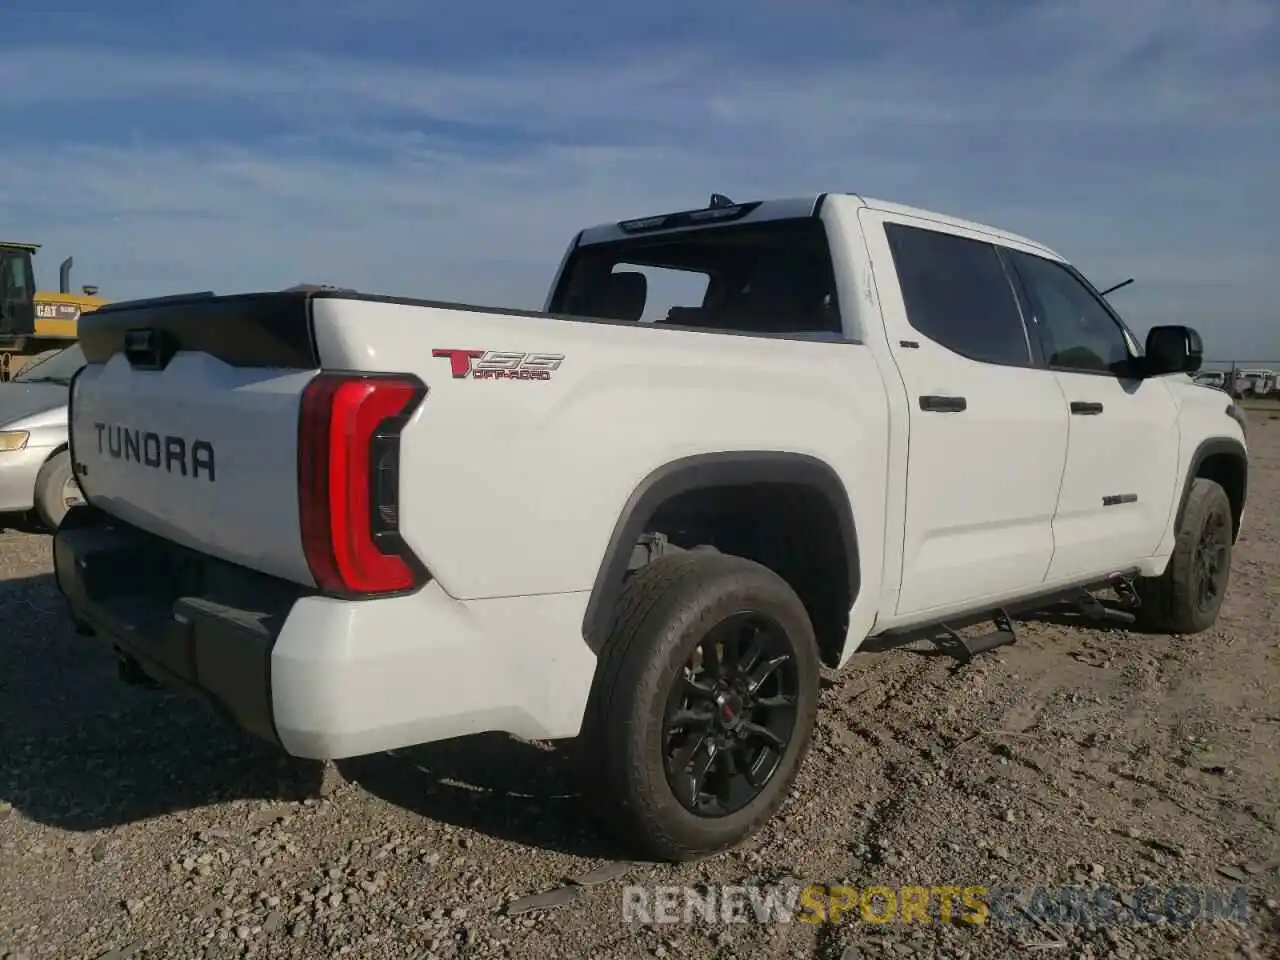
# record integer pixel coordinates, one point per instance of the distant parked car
(35, 464)
(1212, 378)
(1254, 383)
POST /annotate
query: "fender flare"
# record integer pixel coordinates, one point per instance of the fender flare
(729, 469)
(1214, 446)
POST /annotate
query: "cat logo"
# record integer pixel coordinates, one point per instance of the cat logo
(57, 311)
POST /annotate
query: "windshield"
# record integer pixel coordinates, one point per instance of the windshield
(58, 368)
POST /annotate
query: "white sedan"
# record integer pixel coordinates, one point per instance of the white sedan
(35, 464)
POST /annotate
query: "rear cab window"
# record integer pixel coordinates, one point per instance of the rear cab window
(769, 277)
(664, 289)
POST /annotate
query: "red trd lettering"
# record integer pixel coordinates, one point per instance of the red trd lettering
(459, 360)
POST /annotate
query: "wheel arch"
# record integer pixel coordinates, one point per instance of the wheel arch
(1224, 461)
(709, 472)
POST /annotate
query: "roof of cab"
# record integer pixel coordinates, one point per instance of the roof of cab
(804, 206)
(996, 233)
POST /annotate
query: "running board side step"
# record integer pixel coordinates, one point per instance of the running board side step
(966, 648)
(1091, 608)
(1121, 582)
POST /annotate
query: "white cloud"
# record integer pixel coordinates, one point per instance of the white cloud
(1055, 122)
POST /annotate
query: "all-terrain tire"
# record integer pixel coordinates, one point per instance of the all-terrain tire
(1180, 600)
(666, 609)
(51, 481)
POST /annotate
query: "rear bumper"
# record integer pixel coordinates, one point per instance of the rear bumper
(146, 599)
(320, 677)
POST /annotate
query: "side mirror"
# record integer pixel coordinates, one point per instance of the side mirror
(1173, 349)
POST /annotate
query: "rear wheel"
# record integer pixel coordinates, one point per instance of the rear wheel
(56, 490)
(703, 705)
(1186, 598)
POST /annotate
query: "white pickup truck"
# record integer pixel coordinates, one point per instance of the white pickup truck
(356, 523)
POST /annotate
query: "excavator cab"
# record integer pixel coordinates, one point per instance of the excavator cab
(17, 292)
(34, 322)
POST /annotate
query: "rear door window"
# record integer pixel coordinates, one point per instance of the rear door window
(958, 295)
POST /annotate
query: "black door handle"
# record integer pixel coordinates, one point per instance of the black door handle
(1083, 409)
(943, 404)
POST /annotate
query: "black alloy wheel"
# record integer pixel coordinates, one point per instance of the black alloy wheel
(730, 715)
(1209, 572)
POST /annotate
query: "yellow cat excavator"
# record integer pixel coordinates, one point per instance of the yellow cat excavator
(32, 322)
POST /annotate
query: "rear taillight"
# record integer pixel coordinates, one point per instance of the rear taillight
(349, 483)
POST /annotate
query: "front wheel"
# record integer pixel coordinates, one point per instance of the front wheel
(1186, 598)
(703, 705)
(56, 490)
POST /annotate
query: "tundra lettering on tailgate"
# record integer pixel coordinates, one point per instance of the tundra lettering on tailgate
(192, 458)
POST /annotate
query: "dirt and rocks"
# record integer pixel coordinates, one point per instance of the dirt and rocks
(134, 824)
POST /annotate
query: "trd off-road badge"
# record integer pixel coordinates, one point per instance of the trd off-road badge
(500, 364)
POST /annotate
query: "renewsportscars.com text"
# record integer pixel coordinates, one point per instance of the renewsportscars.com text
(945, 903)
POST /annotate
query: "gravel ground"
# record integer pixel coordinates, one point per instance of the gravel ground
(134, 824)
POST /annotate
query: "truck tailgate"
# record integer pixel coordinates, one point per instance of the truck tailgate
(185, 421)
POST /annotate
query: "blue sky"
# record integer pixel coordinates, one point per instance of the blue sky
(451, 150)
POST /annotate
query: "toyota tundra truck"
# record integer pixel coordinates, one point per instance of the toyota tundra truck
(638, 520)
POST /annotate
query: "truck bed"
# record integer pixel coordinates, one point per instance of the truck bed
(192, 434)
